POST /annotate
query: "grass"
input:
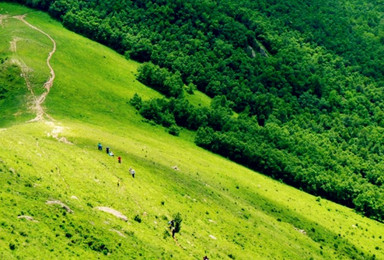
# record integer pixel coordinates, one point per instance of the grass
(228, 211)
(199, 99)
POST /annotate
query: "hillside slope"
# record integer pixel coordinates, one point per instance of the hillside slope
(305, 79)
(228, 211)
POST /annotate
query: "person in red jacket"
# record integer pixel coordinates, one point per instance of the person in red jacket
(119, 159)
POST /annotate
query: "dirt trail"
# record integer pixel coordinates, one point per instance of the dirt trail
(175, 240)
(47, 85)
(35, 103)
(13, 43)
(2, 18)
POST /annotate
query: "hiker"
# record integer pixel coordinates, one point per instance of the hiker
(171, 224)
(119, 159)
(111, 153)
(205, 258)
(99, 146)
(132, 172)
(107, 150)
(172, 227)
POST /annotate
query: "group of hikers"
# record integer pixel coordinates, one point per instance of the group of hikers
(172, 223)
(110, 153)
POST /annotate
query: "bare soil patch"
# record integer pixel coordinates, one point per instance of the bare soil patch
(55, 133)
(29, 218)
(13, 44)
(113, 212)
(118, 232)
(213, 237)
(3, 17)
(302, 231)
(58, 202)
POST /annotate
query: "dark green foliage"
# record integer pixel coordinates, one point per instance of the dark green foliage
(12, 246)
(370, 202)
(177, 219)
(158, 111)
(40, 4)
(305, 78)
(140, 50)
(180, 112)
(191, 88)
(136, 101)
(161, 79)
(205, 137)
(137, 218)
(97, 245)
(59, 8)
(174, 130)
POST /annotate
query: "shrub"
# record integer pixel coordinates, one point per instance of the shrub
(191, 88)
(177, 218)
(174, 130)
(136, 101)
(12, 246)
(160, 79)
(137, 218)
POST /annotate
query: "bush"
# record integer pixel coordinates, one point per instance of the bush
(97, 245)
(137, 218)
(12, 246)
(177, 219)
(174, 130)
(160, 79)
(191, 88)
(136, 101)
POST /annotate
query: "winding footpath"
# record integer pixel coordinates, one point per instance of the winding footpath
(40, 112)
(37, 101)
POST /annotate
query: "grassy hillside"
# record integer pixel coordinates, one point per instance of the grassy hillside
(228, 211)
(304, 78)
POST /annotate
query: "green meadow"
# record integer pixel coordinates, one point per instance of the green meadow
(228, 211)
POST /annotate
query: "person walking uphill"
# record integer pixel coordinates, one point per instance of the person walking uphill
(107, 150)
(119, 159)
(132, 172)
(99, 146)
(172, 227)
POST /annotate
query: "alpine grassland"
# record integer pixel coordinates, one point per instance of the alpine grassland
(62, 198)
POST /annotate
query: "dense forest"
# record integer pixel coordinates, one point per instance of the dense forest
(305, 79)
